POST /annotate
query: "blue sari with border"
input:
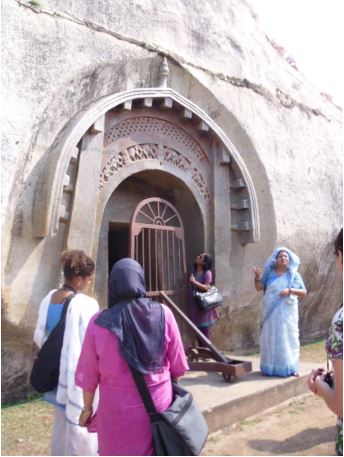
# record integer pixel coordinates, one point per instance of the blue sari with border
(279, 338)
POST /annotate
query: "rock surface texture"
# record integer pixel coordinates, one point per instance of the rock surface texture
(59, 62)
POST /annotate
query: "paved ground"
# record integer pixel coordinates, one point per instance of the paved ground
(224, 403)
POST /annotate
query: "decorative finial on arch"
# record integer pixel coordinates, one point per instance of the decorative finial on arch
(164, 71)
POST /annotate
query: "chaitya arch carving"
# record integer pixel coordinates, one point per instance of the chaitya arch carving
(49, 207)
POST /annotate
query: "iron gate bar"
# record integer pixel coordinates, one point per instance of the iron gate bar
(170, 218)
(143, 247)
(149, 256)
(170, 228)
(149, 206)
(161, 250)
(156, 259)
(168, 261)
(163, 214)
(174, 264)
(146, 215)
(164, 268)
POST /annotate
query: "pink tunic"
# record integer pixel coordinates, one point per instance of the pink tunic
(123, 425)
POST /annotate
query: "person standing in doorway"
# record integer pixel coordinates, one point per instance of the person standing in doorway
(67, 437)
(201, 279)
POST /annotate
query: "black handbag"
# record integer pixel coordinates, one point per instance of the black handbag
(46, 366)
(209, 299)
(179, 430)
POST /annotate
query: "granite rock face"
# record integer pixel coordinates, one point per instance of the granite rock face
(61, 59)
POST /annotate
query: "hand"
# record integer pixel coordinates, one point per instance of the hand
(192, 279)
(257, 272)
(285, 292)
(317, 373)
(311, 378)
(84, 417)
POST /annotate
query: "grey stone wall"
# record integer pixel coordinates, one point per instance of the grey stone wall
(59, 57)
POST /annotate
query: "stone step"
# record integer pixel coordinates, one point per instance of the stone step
(224, 403)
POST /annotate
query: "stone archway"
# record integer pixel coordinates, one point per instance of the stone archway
(86, 134)
(147, 130)
(120, 209)
(115, 229)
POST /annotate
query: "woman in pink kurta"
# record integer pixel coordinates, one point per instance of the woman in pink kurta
(138, 331)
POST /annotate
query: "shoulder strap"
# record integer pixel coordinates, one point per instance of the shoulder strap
(66, 302)
(144, 392)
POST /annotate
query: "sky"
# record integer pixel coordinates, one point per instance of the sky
(312, 32)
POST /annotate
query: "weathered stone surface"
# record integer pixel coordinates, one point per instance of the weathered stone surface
(61, 58)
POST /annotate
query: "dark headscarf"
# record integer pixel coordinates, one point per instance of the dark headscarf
(138, 322)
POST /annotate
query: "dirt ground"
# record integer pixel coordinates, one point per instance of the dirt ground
(300, 426)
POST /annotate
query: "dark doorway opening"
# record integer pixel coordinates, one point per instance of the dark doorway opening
(118, 242)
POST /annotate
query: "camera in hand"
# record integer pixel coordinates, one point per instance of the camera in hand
(328, 378)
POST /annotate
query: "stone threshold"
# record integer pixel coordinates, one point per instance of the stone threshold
(225, 403)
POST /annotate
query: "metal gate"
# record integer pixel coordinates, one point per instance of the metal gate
(157, 243)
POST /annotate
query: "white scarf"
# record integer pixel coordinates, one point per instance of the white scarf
(41, 333)
(80, 310)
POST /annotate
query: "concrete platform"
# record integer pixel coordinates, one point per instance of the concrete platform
(224, 403)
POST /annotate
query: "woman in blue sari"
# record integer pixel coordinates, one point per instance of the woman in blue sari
(279, 338)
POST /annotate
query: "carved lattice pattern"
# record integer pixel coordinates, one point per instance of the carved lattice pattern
(157, 126)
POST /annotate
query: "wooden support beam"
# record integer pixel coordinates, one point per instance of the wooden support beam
(147, 102)
(187, 114)
(98, 126)
(214, 351)
(167, 103)
(241, 204)
(128, 105)
(203, 126)
(238, 183)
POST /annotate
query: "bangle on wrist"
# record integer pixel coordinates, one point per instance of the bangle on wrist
(86, 411)
(257, 280)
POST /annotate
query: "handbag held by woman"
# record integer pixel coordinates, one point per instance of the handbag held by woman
(209, 299)
(179, 430)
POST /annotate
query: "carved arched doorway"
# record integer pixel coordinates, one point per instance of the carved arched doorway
(156, 238)
(147, 131)
(157, 243)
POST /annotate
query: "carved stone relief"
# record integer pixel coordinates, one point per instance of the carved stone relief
(147, 124)
(150, 151)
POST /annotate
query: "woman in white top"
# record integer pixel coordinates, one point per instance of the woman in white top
(67, 437)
